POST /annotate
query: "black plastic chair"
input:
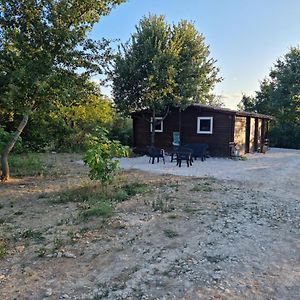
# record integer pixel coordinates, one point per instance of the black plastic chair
(186, 154)
(199, 150)
(154, 152)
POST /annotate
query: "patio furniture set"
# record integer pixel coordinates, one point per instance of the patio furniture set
(185, 153)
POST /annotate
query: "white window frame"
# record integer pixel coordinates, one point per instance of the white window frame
(211, 125)
(161, 124)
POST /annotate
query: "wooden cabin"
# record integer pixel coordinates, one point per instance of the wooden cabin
(217, 127)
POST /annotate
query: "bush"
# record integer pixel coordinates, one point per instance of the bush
(122, 131)
(100, 157)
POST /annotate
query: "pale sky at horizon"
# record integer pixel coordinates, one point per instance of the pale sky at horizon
(245, 36)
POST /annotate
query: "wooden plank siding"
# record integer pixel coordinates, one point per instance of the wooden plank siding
(218, 141)
(248, 130)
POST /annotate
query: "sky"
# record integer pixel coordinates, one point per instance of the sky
(246, 37)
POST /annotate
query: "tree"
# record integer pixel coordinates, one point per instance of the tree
(162, 66)
(279, 96)
(66, 127)
(46, 57)
(247, 103)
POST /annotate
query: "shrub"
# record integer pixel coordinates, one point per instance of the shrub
(100, 156)
(102, 209)
(121, 130)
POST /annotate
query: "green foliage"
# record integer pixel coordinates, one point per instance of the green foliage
(66, 128)
(46, 56)
(101, 209)
(129, 190)
(43, 44)
(279, 96)
(247, 103)
(86, 193)
(136, 188)
(121, 130)
(170, 233)
(29, 164)
(33, 234)
(100, 156)
(5, 138)
(162, 66)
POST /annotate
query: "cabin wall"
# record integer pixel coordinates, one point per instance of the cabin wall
(227, 127)
(218, 141)
(142, 133)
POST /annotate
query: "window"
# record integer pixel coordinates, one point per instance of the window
(159, 124)
(205, 125)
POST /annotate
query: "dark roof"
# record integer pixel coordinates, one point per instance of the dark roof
(221, 110)
(231, 111)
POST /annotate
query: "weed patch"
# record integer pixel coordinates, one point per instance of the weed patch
(135, 188)
(29, 164)
(129, 190)
(3, 247)
(170, 233)
(243, 157)
(205, 186)
(32, 234)
(162, 204)
(88, 193)
(103, 209)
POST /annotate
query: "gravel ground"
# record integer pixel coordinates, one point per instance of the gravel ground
(230, 232)
(273, 169)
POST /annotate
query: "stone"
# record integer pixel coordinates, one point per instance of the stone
(48, 292)
(20, 248)
(69, 255)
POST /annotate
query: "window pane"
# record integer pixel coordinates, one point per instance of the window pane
(204, 125)
(158, 125)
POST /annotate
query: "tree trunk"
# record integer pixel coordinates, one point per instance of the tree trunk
(4, 156)
(153, 128)
(179, 125)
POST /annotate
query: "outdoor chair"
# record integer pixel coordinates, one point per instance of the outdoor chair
(174, 151)
(184, 153)
(154, 152)
(199, 150)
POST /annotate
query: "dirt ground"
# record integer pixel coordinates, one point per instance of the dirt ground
(187, 238)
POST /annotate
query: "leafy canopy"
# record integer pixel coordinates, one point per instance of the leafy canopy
(45, 54)
(163, 65)
(279, 96)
